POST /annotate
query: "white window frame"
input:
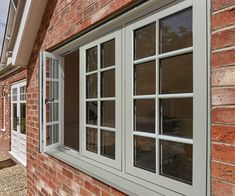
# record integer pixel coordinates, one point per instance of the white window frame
(117, 67)
(147, 175)
(43, 124)
(124, 179)
(4, 111)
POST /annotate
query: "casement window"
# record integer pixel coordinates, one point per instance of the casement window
(128, 105)
(3, 126)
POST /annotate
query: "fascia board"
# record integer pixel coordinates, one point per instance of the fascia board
(29, 26)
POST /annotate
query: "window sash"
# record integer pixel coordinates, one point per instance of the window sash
(97, 157)
(129, 159)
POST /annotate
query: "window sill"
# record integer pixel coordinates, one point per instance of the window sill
(120, 182)
(3, 130)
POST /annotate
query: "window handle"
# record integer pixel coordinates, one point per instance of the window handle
(49, 100)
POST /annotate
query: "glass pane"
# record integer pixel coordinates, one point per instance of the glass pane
(108, 83)
(91, 140)
(176, 161)
(176, 31)
(108, 113)
(52, 68)
(176, 74)
(145, 153)
(49, 108)
(14, 94)
(144, 115)
(91, 59)
(55, 111)
(23, 118)
(91, 86)
(55, 90)
(14, 111)
(55, 69)
(108, 144)
(145, 41)
(108, 53)
(48, 67)
(91, 113)
(145, 78)
(55, 133)
(49, 90)
(48, 135)
(177, 117)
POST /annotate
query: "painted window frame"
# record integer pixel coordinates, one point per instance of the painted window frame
(4, 111)
(114, 177)
(147, 175)
(117, 67)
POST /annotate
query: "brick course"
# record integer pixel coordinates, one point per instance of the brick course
(223, 98)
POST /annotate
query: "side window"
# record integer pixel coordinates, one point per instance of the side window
(101, 96)
(3, 116)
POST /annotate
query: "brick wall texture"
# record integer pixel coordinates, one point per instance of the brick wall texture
(5, 136)
(223, 97)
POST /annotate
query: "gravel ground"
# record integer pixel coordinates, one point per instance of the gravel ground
(12, 179)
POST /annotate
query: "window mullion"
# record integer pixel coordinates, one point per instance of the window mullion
(98, 96)
(157, 126)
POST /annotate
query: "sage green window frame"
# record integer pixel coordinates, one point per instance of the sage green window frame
(123, 180)
(116, 36)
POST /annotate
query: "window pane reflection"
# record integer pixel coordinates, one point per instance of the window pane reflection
(177, 117)
(176, 74)
(176, 31)
(176, 161)
(145, 78)
(145, 41)
(145, 153)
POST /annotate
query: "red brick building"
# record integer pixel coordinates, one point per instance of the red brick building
(121, 97)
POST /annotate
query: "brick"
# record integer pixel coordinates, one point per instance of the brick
(224, 134)
(223, 152)
(223, 96)
(223, 58)
(223, 171)
(223, 19)
(67, 173)
(219, 4)
(92, 188)
(223, 38)
(223, 115)
(220, 188)
(223, 77)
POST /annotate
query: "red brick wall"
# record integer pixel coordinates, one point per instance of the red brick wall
(223, 98)
(5, 137)
(62, 20)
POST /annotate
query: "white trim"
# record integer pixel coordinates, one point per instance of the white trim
(29, 25)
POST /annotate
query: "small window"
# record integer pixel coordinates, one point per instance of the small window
(3, 119)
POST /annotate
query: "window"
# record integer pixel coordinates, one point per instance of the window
(3, 126)
(101, 95)
(134, 113)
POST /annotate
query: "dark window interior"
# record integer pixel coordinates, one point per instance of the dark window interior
(71, 100)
